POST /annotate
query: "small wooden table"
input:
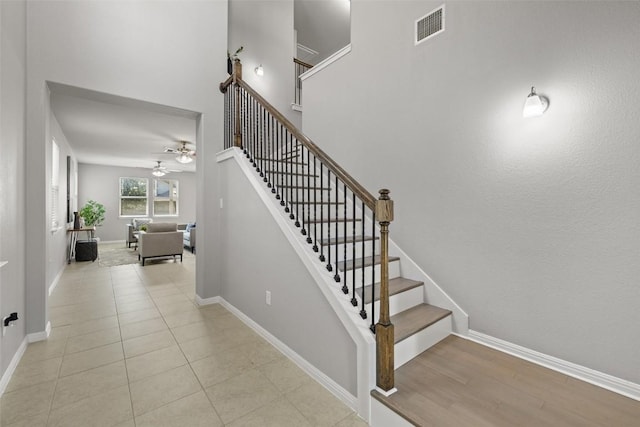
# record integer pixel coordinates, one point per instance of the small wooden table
(73, 238)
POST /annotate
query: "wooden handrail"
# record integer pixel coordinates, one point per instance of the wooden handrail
(304, 64)
(335, 168)
(224, 85)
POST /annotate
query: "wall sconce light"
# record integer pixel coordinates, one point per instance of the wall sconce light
(535, 105)
(259, 71)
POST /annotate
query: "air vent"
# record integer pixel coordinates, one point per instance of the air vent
(430, 25)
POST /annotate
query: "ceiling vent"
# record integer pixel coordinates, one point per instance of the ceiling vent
(429, 25)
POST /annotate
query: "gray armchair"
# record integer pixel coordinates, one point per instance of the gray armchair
(189, 237)
(162, 239)
(133, 228)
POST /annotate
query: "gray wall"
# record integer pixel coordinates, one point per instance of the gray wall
(257, 258)
(136, 50)
(101, 183)
(12, 186)
(531, 225)
(265, 29)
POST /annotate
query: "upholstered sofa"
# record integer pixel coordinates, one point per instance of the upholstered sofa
(162, 239)
(189, 237)
(134, 227)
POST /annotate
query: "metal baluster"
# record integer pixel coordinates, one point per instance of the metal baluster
(329, 266)
(297, 185)
(309, 172)
(305, 186)
(363, 311)
(336, 276)
(322, 258)
(345, 288)
(373, 273)
(261, 142)
(354, 301)
(315, 207)
(282, 175)
(274, 158)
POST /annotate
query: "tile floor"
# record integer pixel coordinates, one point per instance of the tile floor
(129, 347)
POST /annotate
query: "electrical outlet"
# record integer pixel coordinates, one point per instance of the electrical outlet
(221, 203)
(268, 298)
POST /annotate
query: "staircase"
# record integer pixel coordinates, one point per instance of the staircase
(346, 230)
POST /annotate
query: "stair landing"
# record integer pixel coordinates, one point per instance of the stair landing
(461, 383)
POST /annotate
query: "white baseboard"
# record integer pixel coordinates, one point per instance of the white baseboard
(336, 389)
(207, 301)
(6, 377)
(600, 379)
(40, 336)
(56, 279)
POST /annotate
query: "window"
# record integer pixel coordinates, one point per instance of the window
(133, 197)
(165, 202)
(55, 178)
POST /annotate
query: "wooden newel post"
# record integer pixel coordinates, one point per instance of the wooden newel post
(237, 76)
(384, 327)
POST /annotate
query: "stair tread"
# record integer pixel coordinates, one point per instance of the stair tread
(415, 319)
(305, 188)
(362, 262)
(292, 173)
(396, 285)
(326, 220)
(348, 239)
(326, 202)
(269, 159)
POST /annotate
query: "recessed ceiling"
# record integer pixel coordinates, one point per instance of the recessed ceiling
(115, 131)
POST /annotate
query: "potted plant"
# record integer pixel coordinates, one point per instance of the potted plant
(92, 213)
(231, 58)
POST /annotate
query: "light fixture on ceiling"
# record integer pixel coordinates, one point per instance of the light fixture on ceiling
(535, 105)
(259, 70)
(158, 170)
(184, 158)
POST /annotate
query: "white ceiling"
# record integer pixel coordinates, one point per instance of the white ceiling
(110, 130)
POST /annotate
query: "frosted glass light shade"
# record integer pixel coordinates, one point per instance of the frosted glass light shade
(157, 172)
(184, 158)
(259, 70)
(534, 105)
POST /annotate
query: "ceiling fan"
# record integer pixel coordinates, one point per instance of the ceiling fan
(185, 155)
(159, 170)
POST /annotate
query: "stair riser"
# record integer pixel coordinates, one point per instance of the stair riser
(368, 248)
(410, 347)
(394, 271)
(402, 301)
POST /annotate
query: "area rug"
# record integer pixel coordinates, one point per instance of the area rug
(112, 254)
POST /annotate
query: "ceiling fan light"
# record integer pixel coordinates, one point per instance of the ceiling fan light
(184, 158)
(158, 173)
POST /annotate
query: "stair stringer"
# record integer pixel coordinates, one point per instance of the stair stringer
(356, 327)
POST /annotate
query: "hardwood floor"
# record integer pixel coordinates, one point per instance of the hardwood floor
(460, 383)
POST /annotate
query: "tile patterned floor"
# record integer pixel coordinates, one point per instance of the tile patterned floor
(129, 347)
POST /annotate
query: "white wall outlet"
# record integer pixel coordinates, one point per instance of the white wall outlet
(221, 203)
(268, 298)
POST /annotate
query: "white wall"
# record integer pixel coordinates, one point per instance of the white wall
(265, 29)
(170, 53)
(58, 239)
(259, 258)
(101, 183)
(531, 225)
(12, 187)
